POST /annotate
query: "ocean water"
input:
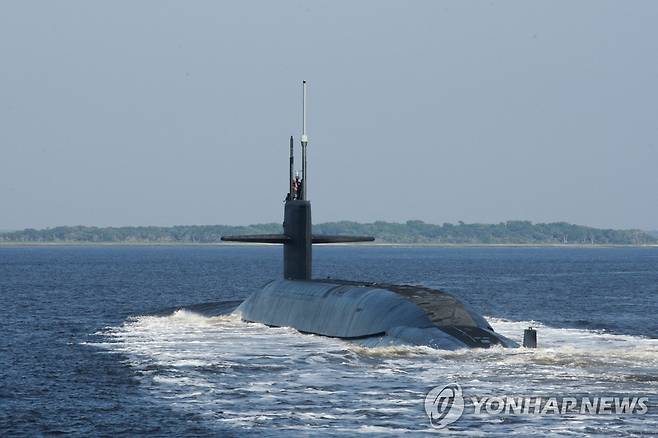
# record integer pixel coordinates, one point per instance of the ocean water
(118, 341)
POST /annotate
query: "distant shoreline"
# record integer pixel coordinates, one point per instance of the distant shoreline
(371, 245)
(411, 233)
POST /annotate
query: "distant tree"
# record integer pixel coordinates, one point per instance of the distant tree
(413, 231)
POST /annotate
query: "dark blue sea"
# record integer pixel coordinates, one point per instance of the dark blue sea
(110, 341)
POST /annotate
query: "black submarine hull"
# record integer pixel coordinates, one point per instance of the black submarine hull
(371, 314)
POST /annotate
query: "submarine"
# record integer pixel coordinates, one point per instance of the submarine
(369, 314)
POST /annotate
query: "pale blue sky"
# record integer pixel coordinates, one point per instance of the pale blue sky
(162, 113)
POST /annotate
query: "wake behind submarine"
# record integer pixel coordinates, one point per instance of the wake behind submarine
(371, 314)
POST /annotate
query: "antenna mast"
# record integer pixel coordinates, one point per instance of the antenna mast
(291, 189)
(304, 144)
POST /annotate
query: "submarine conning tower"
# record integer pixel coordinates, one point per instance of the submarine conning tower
(298, 237)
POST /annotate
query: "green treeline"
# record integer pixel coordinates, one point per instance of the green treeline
(510, 232)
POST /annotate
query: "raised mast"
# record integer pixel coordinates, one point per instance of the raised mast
(304, 144)
(291, 183)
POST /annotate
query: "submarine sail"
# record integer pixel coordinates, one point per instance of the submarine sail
(297, 237)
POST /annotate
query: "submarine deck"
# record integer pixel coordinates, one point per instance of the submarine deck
(441, 308)
(357, 309)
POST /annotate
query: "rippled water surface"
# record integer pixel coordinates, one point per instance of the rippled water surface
(122, 341)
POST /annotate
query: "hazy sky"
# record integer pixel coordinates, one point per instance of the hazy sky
(162, 113)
